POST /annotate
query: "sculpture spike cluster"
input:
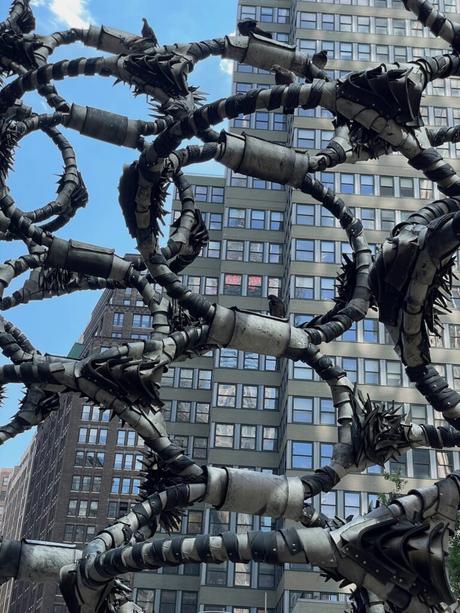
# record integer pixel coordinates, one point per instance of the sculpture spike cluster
(395, 555)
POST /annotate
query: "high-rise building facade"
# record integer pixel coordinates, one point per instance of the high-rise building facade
(5, 476)
(14, 510)
(242, 409)
(265, 239)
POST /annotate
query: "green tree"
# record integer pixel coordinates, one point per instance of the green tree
(398, 486)
(453, 561)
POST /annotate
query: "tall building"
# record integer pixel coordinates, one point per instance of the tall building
(241, 409)
(265, 239)
(14, 511)
(5, 476)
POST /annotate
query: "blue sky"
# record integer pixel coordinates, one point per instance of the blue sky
(54, 325)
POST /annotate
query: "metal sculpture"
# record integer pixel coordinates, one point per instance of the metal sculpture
(395, 555)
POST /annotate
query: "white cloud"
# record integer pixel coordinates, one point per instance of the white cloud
(226, 66)
(72, 13)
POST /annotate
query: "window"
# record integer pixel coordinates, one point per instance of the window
(256, 252)
(266, 14)
(118, 319)
(307, 21)
(200, 447)
(345, 23)
(242, 575)
(142, 321)
(352, 503)
(305, 139)
(349, 335)
(168, 601)
(364, 24)
(326, 218)
(257, 219)
(399, 466)
(327, 288)
(186, 377)
(426, 189)
(347, 183)
(456, 375)
(271, 396)
(249, 397)
(189, 602)
(275, 253)
(418, 413)
(226, 395)
(370, 331)
(302, 455)
(329, 503)
(233, 284)
(327, 251)
(394, 376)
(215, 221)
(193, 283)
(302, 410)
(326, 411)
(204, 379)
(304, 250)
(235, 250)
(184, 410)
(366, 185)
(303, 288)
(406, 187)
(381, 25)
(269, 438)
(445, 463)
(274, 286)
(248, 12)
(145, 599)
(364, 51)
(202, 412)
(439, 116)
(325, 453)
(400, 54)
(305, 214)
(421, 463)
(201, 193)
(236, 218)
(387, 186)
(345, 51)
(261, 120)
(350, 365)
(399, 27)
(368, 218)
(210, 286)
(327, 22)
(266, 577)
(371, 372)
(283, 15)
(217, 195)
(228, 358)
(382, 52)
(250, 361)
(248, 437)
(388, 218)
(224, 435)
(454, 336)
(276, 220)
(254, 286)
(213, 249)
(216, 574)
